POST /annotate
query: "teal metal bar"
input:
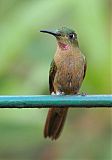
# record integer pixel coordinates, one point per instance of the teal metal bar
(48, 101)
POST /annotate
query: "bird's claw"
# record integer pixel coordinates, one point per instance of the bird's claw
(82, 94)
(60, 93)
(57, 93)
(53, 94)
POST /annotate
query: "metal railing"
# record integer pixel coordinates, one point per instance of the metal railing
(48, 101)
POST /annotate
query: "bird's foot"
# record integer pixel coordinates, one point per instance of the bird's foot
(53, 94)
(60, 93)
(57, 93)
(82, 94)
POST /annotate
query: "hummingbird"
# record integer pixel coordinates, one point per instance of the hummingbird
(67, 71)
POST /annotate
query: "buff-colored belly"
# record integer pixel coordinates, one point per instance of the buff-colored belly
(69, 76)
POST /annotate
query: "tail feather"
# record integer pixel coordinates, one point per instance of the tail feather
(55, 122)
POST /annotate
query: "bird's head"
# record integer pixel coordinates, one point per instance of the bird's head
(65, 37)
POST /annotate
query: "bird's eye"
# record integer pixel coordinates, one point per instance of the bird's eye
(71, 36)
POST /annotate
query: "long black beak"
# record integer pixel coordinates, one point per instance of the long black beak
(54, 33)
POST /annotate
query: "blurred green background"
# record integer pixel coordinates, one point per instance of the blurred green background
(25, 56)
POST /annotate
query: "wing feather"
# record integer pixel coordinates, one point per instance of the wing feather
(52, 73)
(85, 67)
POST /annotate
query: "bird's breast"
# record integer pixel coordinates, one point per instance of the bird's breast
(69, 75)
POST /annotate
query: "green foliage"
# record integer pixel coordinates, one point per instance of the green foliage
(25, 57)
